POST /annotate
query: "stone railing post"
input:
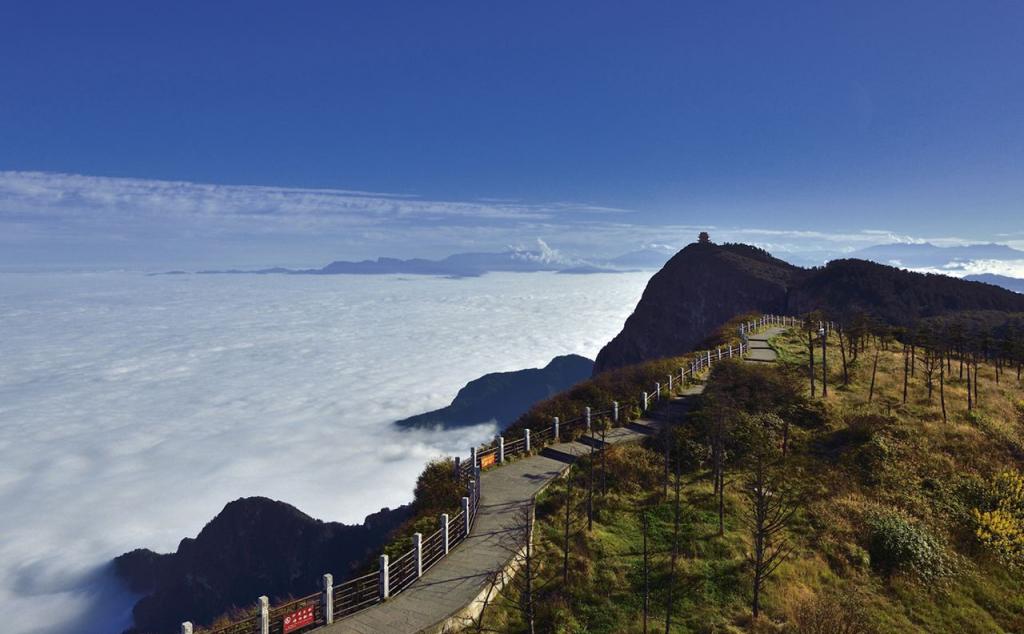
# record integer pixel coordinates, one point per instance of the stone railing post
(527, 440)
(657, 391)
(186, 628)
(645, 401)
(384, 582)
(264, 606)
(444, 531)
(588, 419)
(558, 438)
(327, 598)
(501, 449)
(465, 514)
(670, 384)
(472, 456)
(615, 411)
(417, 547)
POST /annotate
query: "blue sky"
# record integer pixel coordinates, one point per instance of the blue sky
(589, 124)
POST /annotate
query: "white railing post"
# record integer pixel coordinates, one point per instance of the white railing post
(527, 440)
(465, 514)
(615, 411)
(645, 401)
(501, 449)
(709, 358)
(588, 419)
(472, 456)
(657, 391)
(186, 628)
(264, 606)
(327, 598)
(384, 581)
(444, 531)
(670, 384)
(557, 437)
(719, 354)
(417, 547)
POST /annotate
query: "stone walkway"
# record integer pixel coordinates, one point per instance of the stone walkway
(436, 601)
(760, 351)
(457, 580)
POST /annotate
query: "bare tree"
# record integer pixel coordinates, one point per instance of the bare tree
(942, 390)
(524, 580)
(670, 596)
(906, 370)
(874, 372)
(647, 570)
(771, 505)
(567, 528)
(842, 351)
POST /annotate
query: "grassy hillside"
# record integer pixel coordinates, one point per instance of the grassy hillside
(888, 502)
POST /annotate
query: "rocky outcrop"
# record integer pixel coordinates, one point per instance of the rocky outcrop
(705, 285)
(255, 546)
(505, 396)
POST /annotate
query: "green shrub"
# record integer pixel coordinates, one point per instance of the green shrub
(873, 457)
(897, 544)
(437, 491)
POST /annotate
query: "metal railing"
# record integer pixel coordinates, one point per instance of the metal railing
(393, 576)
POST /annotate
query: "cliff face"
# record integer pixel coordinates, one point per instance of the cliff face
(698, 290)
(504, 396)
(254, 546)
(705, 285)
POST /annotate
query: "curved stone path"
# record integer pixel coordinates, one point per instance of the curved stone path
(441, 599)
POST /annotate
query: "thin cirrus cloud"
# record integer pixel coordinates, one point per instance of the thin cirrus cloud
(53, 219)
(98, 217)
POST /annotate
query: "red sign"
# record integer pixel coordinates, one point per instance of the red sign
(298, 619)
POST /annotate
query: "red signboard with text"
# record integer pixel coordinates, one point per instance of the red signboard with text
(298, 619)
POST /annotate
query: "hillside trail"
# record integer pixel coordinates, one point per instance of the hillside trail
(439, 601)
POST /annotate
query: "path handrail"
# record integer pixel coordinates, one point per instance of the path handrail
(393, 576)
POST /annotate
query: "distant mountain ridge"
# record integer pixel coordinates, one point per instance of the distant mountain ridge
(928, 255)
(504, 396)
(1014, 284)
(472, 264)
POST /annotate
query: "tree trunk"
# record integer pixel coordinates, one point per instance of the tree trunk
(906, 371)
(565, 535)
(647, 569)
(942, 390)
(970, 399)
(874, 371)
(529, 575)
(824, 365)
(590, 485)
(810, 353)
(675, 554)
(842, 350)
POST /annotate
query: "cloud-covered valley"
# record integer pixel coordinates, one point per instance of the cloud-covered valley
(132, 408)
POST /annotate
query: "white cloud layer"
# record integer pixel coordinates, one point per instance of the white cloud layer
(133, 408)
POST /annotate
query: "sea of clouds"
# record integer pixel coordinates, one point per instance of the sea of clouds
(132, 408)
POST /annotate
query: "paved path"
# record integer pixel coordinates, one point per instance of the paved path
(760, 351)
(455, 581)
